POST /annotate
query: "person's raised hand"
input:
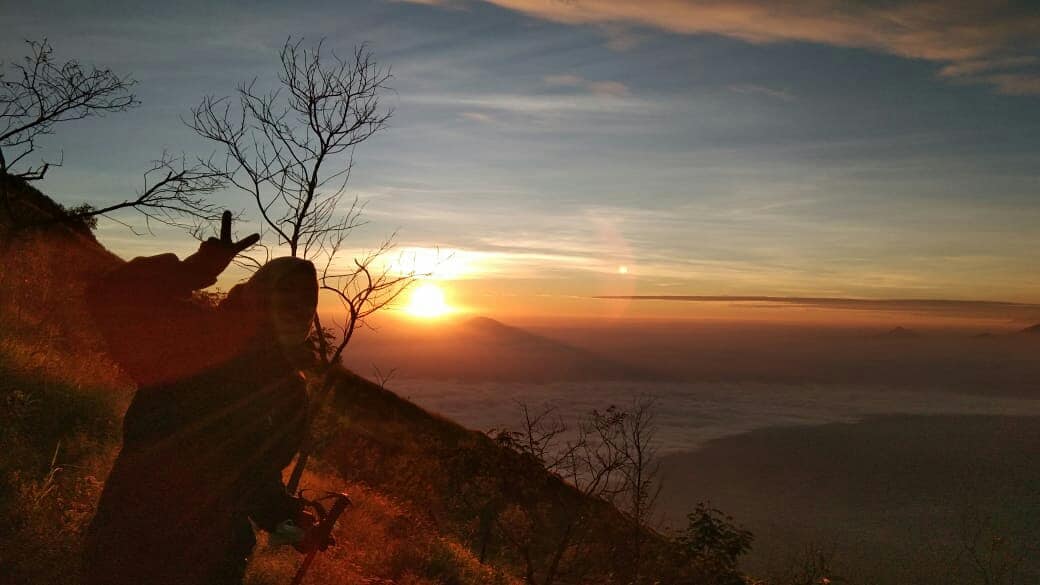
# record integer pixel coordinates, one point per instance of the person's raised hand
(215, 254)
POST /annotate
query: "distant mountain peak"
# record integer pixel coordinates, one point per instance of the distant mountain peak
(901, 333)
(483, 348)
(484, 322)
(488, 326)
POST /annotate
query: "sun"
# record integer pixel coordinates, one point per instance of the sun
(427, 302)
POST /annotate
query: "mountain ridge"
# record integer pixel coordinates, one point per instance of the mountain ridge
(481, 348)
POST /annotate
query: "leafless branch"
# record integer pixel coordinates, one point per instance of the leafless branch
(994, 555)
(609, 455)
(291, 150)
(383, 378)
(39, 93)
(174, 192)
(369, 287)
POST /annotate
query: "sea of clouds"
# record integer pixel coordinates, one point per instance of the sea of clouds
(689, 414)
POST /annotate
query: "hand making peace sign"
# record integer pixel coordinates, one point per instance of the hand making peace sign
(215, 254)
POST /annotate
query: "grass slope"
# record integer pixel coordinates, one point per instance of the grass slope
(420, 483)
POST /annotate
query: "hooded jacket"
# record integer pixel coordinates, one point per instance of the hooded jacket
(220, 411)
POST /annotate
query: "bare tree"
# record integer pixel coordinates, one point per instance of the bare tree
(39, 93)
(290, 150)
(541, 434)
(594, 460)
(590, 458)
(995, 556)
(639, 471)
(366, 288)
(608, 456)
(383, 378)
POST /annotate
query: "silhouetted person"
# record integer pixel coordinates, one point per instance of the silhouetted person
(220, 410)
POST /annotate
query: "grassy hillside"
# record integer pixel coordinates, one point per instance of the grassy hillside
(60, 396)
(434, 502)
(61, 405)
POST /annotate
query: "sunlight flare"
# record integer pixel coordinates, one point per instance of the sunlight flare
(427, 301)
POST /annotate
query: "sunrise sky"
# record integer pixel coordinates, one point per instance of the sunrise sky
(557, 151)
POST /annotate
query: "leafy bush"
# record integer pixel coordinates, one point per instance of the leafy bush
(710, 547)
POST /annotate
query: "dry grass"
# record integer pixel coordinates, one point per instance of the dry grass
(61, 406)
(379, 540)
(61, 400)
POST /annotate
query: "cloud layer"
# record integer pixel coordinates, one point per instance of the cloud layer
(915, 306)
(979, 41)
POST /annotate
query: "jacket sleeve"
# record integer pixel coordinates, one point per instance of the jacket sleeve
(269, 504)
(162, 276)
(142, 309)
(278, 428)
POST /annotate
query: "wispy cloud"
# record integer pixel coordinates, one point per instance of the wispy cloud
(609, 88)
(478, 117)
(441, 3)
(601, 101)
(963, 35)
(976, 66)
(752, 89)
(1015, 84)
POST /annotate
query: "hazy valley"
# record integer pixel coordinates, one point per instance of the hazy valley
(885, 450)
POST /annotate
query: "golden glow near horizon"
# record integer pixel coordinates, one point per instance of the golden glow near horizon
(446, 264)
(427, 302)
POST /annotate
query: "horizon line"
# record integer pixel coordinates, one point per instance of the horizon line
(851, 303)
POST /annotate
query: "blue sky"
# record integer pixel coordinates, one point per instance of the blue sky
(723, 147)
